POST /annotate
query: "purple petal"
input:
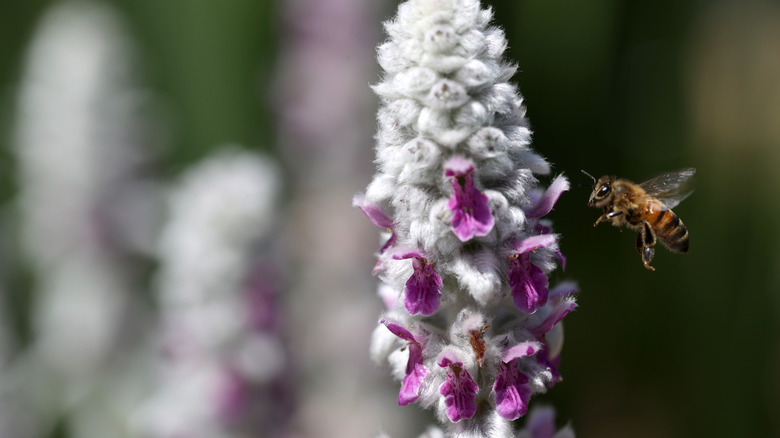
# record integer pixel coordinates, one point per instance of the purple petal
(388, 295)
(415, 370)
(399, 330)
(559, 185)
(563, 290)
(232, 397)
(390, 242)
(469, 222)
(541, 423)
(423, 289)
(459, 391)
(378, 267)
(472, 214)
(545, 227)
(447, 358)
(552, 364)
(405, 253)
(556, 315)
(522, 349)
(528, 283)
(374, 213)
(535, 242)
(262, 300)
(377, 217)
(458, 166)
(512, 391)
(415, 373)
(561, 259)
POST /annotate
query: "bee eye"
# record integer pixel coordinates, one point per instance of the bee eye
(604, 190)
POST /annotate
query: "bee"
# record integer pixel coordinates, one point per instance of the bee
(646, 208)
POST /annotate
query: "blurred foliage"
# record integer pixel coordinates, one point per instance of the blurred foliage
(689, 350)
(209, 63)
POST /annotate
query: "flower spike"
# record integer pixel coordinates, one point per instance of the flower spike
(475, 327)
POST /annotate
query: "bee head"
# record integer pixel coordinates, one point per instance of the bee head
(602, 192)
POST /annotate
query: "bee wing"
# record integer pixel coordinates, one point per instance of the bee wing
(671, 188)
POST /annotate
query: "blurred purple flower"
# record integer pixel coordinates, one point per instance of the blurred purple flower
(229, 372)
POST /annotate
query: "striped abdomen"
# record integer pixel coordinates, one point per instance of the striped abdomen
(669, 229)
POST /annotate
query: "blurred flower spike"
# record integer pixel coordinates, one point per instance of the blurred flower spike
(226, 370)
(472, 328)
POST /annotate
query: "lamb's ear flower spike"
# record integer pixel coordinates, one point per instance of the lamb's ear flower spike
(456, 188)
(87, 211)
(225, 358)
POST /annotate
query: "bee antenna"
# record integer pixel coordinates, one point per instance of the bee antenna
(591, 176)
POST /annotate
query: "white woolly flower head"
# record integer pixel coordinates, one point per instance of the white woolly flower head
(218, 290)
(77, 143)
(81, 134)
(218, 213)
(79, 127)
(465, 268)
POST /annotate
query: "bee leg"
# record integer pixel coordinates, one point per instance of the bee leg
(607, 216)
(612, 214)
(645, 243)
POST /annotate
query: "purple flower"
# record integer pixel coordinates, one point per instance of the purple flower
(541, 424)
(546, 327)
(544, 227)
(561, 303)
(459, 389)
(555, 315)
(563, 290)
(551, 363)
(232, 398)
(415, 370)
(473, 216)
(262, 298)
(377, 217)
(423, 289)
(545, 204)
(528, 281)
(511, 386)
(388, 295)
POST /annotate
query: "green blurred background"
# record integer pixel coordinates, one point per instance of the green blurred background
(614, 87)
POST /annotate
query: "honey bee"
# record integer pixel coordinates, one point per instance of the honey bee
(646, 208)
